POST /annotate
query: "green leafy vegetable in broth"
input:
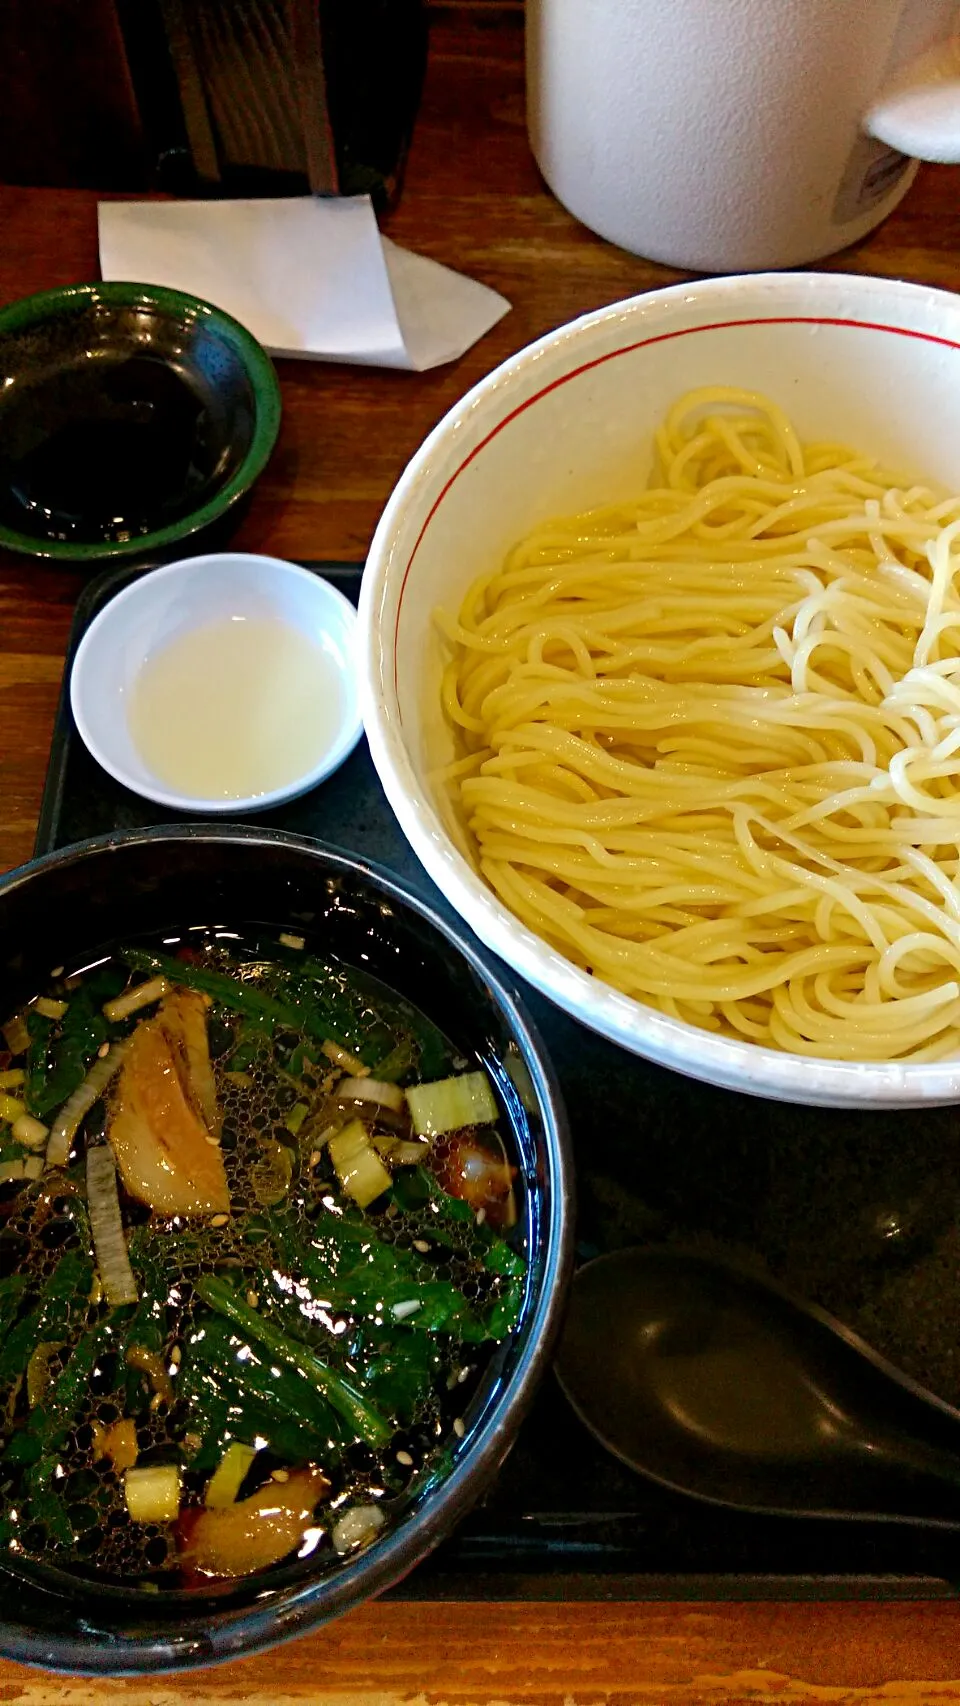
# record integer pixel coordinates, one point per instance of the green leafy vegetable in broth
(243, 1303)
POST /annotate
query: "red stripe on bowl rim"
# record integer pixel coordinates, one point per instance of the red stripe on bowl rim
(612, 355)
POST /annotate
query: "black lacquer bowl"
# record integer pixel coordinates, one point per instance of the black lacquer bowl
(100, 891)
(131, 417)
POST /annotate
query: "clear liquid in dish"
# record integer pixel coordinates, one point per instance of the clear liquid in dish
(236, 708)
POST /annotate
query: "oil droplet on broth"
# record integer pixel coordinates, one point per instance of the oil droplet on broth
(234, 708)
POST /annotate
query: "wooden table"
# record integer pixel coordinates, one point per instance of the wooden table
(472, 198)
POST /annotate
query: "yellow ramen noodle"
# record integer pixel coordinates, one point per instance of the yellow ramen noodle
(711, 739)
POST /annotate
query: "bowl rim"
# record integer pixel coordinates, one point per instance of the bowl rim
(67, 299)
(190, 1643)
(745, 1067)
(338, 751)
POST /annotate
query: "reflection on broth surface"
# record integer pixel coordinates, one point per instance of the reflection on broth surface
(256, 1251)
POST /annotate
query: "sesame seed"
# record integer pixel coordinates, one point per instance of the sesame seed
(459, 1427)
(253, 1299)
(462, 1375)
(314, 1157)
(481, 1216)
(57, 971)
(103, 1051)
(279, 1474)
(220, 1220)
(421, 1245)
(175, 1355)
(215, 1141)
(405, 1458)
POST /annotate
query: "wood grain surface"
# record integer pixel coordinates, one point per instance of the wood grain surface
(473, 199)
(572, 1655)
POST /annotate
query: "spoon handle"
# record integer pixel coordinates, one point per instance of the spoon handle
(915, 1460)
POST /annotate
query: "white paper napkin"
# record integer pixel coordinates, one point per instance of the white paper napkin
(307, 276)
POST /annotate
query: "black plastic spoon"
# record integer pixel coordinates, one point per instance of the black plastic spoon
(717, 1383)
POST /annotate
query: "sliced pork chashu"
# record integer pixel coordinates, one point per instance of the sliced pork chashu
(183, 1016)
(164, 1123)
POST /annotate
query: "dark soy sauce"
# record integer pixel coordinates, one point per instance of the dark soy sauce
(104, 451)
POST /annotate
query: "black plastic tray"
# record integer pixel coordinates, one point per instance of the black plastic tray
(858, 1211)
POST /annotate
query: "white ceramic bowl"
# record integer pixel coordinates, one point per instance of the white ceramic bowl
(169, 602)
(567, 424)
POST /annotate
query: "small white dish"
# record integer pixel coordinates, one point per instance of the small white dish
(165, 607)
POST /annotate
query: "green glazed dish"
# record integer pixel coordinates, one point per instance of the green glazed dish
(131, 418)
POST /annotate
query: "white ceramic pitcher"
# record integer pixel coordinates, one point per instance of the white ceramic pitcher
(732, 135)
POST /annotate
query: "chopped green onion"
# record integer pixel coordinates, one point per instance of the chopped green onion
(12, 1079)
(38, 1370)
(356, 1527)
(76, 1107)
(15, 1034)
(399, 1061)
(50, 1009)
(398, 1152)
(131, 1001)
(343, 1058)
(30, 1167)
(408, 1306)
(450, 1104)
(375, 1090)
(116, 1274)
(227, 1478)
(358, 1166)
(153, 1493)
(408, 1154)
(296, 1117)
(10, 1108)
(28, 1131)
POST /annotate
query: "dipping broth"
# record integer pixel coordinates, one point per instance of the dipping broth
(256, 1254)
(106, 450)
